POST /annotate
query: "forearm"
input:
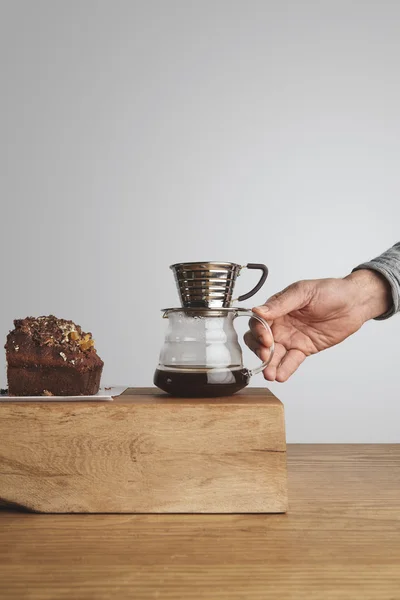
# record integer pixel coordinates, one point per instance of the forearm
(388, 266)
(373, 295)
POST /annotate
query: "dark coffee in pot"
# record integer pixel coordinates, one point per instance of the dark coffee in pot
(201, 383)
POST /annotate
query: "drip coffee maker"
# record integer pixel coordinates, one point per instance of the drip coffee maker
(201, 355)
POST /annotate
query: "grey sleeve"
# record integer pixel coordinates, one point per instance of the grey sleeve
(388, 264)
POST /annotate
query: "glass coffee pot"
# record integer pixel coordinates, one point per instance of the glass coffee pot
(201, 355)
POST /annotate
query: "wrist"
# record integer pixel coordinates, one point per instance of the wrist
(374, 292)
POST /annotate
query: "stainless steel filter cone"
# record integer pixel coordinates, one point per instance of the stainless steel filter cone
(211, 284)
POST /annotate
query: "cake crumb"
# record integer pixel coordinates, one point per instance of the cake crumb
(107, 388)
(3, 392)
(47, 393)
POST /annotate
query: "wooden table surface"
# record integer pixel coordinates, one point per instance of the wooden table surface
(340, 540)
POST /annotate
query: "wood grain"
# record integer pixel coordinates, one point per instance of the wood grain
(339, 541)
(147, 453)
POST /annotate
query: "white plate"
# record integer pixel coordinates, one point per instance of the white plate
(105, 394)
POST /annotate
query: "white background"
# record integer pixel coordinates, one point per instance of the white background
(138, 134)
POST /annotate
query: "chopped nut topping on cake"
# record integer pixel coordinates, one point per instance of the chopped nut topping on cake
(87, 342)
(50, 331)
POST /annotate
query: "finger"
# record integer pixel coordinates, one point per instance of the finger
(294, 297)
(271, 370)
(289, 365)
(261, 334)
(261, 351)
(252, 343)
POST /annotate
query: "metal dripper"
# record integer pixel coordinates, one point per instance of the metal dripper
(211, 284)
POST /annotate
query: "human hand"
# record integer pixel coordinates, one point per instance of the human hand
(310, 316)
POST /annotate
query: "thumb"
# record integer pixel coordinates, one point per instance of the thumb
(292, 298)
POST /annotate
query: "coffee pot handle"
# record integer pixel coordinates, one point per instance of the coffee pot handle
(241, 312)
(264, 275)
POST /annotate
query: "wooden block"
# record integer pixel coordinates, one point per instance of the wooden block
(145, 452)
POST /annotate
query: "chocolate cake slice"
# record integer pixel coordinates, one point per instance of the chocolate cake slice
(47, 356)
